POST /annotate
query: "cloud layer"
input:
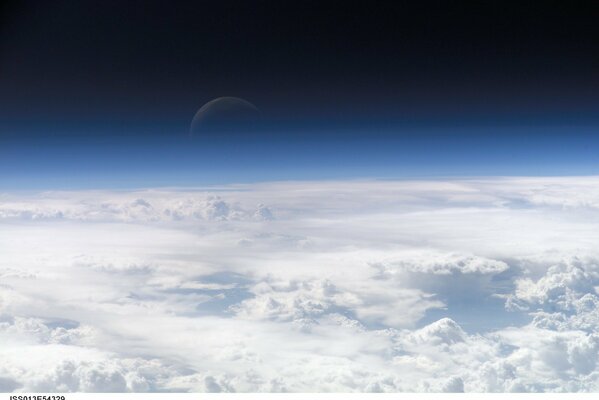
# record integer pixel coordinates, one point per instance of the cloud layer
(464, 285)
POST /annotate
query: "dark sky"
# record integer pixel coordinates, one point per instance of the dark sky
(135, 64)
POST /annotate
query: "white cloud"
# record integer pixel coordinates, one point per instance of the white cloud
(464, 285)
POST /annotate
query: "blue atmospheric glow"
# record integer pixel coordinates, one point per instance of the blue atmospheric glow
(103, 159)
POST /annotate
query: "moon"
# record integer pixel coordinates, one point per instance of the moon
(224, 114)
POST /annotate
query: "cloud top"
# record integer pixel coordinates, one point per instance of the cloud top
(367, 286)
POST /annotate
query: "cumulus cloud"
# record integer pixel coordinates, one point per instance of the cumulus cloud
(368, 286)
(130, 207)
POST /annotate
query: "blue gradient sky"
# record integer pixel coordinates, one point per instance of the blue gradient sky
(106, 159)
(101, 94)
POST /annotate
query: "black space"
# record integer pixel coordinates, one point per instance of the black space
(143, 63)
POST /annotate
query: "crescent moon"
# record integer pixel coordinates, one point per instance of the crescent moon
(224, 114)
